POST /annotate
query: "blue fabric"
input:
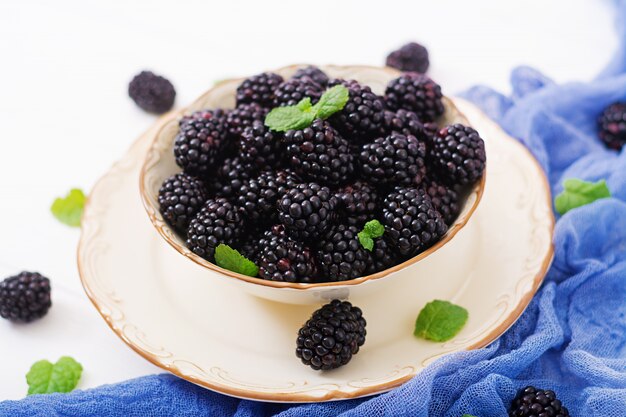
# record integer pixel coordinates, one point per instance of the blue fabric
(572, 337)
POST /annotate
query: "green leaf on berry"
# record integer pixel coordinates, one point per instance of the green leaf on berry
(332, 101)
(372, 230)
(69, 209)
(45, 377)
(577, 193)
(440, 321)
(231, 259)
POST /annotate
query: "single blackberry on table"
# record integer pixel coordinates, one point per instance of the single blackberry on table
(410, 57)
(242, 117)
(319, 153)
(457, 153)
(25, 297)
(258, 89)
(200, 142)
(290, 92)
(362, 116)
(313, 73)
(357, 203)
(282, 258)
(531, 402)
(218, 221)
(612, 125)
(395, 159)
(258, 196)
(417, 93)
(382, 257)
(411, 222)
(445, 200)
(331, 336)
(340, 255)
(259, 147)
(306, 210)
(230, 176)
(405, 122)
(152, 92)
(181, 196)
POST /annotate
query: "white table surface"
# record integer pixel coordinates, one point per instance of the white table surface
(65, 115)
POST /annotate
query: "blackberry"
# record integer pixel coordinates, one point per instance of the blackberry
(612, 125)
(382, 257)
(417, 93)
(25, 297)
(445, 200)
(181, 196)
(258, 89)
(218, 221)
(362, 116)
(152, 92)
(306, 210)
(331, 336)
(229, 177)
(251, 245)
(395, 159)
(282, 258)
(457, 153)
(319, 153)
(313, 73)
(531, 401)
(259, 147)
(340, 255)
(258, 196)
(242, 117)
(405, 122)
(411, 57)
(411, 222)
(290, 92)
(200, 142)
(357, 202)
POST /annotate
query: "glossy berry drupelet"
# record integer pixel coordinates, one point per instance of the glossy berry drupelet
(242, 117)
(362, 116)
(258, 196)
(357, 202)
(410, 57)
(332, 335)
(445, 200)
(417, 93)
(531, 402)
(218, 221)
(612, 126)
(259, 89)
(281, 258)
(152, 92)
(411, 222)
(319, 153)
(396, 159)
(306, 210)
(291, 92)
(382, 257)
(229, 177)
(340, 255)
(405, 122)
(259, 147)
(200, 142)
(457, 154)
(25, 297)
(181, 196)
(313, 73)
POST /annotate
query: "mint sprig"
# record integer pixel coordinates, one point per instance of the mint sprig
(372, 230)
(45, 377)
(577, 193)
(69, 209)
(302, 114)
(440, 321)
(231, 259)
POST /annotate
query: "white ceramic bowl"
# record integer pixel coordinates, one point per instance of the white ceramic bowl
(160, 164)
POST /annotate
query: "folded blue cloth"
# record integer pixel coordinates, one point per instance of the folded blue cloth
(571, 339)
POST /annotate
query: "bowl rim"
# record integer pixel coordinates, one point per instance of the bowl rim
(159, 223)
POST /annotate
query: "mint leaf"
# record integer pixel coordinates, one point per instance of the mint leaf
(366, 240)
(440, 321)
(332, 101)
(578, 193)
(372, 230)
(45, 378)
(231, 259)
(305, 105)
(69, 209)
(282, 119)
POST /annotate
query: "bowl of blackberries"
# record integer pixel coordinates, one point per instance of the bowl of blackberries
(305, 183)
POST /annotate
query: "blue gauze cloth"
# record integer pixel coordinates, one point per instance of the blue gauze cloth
(571, 339)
